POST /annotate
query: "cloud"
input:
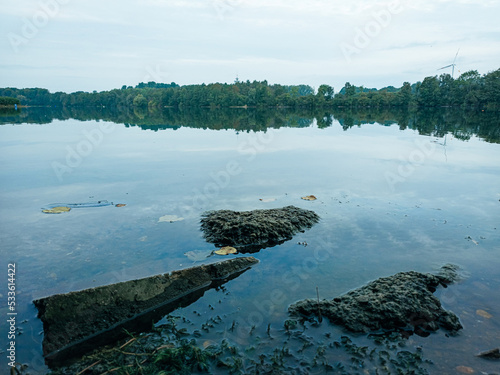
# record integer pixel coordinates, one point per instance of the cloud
(110, 43)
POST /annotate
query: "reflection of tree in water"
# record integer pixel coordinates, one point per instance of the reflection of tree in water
(433, 121)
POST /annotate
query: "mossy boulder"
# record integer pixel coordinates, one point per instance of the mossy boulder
(251, 231)
(403, 302)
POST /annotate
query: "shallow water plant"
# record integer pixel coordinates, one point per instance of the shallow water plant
(170, 348)
(183, 359)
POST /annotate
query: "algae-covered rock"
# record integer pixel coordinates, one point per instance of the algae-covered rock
(402, 302)
(250, 231)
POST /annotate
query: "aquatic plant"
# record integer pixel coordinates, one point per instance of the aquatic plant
(174, 348)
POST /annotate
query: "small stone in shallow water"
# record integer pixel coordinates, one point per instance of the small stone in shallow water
(465, 369)
(490, 354)
(484, 314)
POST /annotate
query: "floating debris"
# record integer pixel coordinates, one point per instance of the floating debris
(309, 198)
(251, 231)
(226, 250)
(120, 205)
(170, 218)
(402, 302)
(266, 200)
(469, 238)
(56, 210)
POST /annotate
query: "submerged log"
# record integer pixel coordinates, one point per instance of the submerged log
(77, 322)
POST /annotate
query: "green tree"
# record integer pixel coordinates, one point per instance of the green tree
(349, 90)
(404, 95)
(140, 101)
(326, 92)
(491, 92)
(428, 93)
(446, 90)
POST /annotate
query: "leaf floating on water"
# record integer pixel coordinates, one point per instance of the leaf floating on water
(198, 255)
(309, 198)
(265, 200)
(465, 369)
(120, 205)
(484, 314)
(226, 250)
(56, 210)
(170, 218)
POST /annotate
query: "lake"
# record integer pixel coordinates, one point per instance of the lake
(396, 192)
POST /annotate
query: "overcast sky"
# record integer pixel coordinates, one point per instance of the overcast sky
(72, 45)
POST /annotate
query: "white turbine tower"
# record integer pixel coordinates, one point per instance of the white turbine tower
(452, 65)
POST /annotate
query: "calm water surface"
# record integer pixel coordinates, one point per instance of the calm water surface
(390, 200)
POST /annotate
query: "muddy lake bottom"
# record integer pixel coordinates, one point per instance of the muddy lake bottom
(389, 200)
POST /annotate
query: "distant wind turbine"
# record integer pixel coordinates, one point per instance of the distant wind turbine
(452, 65)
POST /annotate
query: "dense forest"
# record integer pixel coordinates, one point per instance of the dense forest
(471, 90)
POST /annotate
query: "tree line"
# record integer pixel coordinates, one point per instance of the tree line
(469, 90)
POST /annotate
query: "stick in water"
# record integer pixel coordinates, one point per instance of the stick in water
(319, 310)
